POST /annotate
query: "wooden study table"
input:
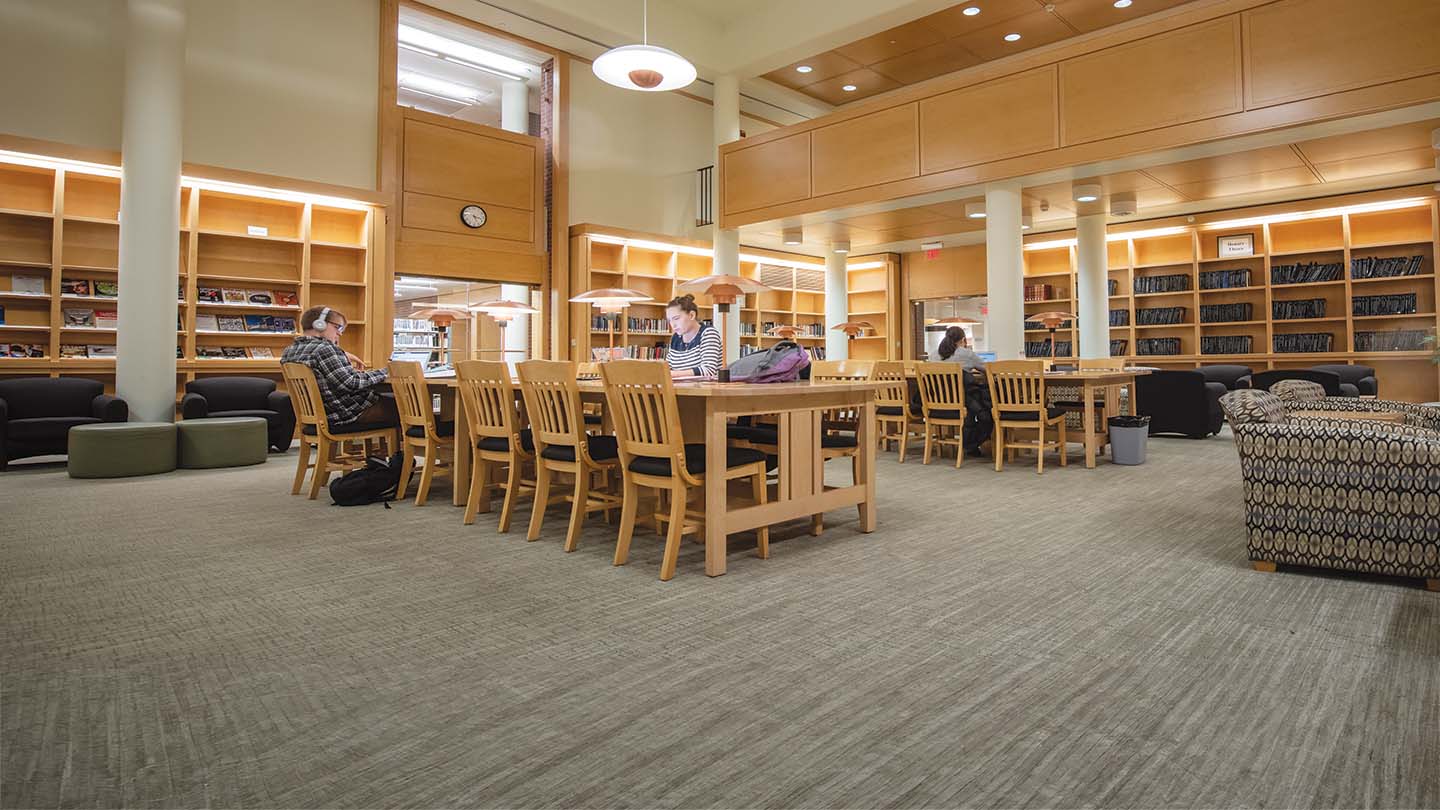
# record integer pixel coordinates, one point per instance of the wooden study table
(706, 409)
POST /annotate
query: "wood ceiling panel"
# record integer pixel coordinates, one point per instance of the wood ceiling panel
(927, 63)
(893, 42)
(1092, 15)
(953, 22)
(886, 220)
(891, 132)
(937, 228)
(1255, 161)
(823, 66)
(1410, 160)
(1374, 142)
(954, 209)
(1035, 28)
(867, 83)
(1248, 183)
(1004, 118)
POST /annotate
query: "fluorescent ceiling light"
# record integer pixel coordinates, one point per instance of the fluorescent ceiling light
(425, 51)
(794, 236)
(440, 88)
(1294, 216)
(866, 265)
(492, 71)
(1012, 37)
(697, 251)
(840, 246)
(803, 68)
(444, 46)
(41, 162)
(971, 11)
(975, 210)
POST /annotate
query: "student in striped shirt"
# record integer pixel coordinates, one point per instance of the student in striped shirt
(695, 346)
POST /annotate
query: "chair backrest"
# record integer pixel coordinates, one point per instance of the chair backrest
(1329, 380)
(305, 396)
(842, 369)
(552, 399)
(1102, 364)
(233, 393)
(1346, 372)
(1226, 374)
(647, 417)
(412, 396)
(38, 397)
(942, 386)
(895, 392)
(1017, 385)
(488, 396)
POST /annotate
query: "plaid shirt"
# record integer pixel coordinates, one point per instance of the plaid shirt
(345, 391)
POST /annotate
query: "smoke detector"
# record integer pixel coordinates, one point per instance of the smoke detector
(1123, 205)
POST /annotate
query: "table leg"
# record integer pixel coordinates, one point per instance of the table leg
(1088, 394)
(864, 436)
(460, 466)
(714, 489)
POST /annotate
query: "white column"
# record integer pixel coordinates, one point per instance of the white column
(514, 107)
(726, 244)
(1093, 306)
(837, 310)
(150, 207)
(517, 334)
(1004, 277)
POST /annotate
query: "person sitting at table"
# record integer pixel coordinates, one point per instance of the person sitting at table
(955, 348)
(346, 387)
(695, 346)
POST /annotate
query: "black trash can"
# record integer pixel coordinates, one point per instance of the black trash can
(1127, 438)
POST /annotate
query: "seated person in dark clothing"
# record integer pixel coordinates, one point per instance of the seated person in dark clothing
(979, 421)
(346, 388)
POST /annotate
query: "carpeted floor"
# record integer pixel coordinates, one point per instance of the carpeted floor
(1086, 638)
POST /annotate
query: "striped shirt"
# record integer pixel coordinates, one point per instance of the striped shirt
(702, 355)
(345, 391)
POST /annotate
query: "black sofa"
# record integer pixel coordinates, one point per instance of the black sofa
(1328, 380)
(1232, 377)
(1182, 402)
(218, 397)
(1354, 380)
(36, 414)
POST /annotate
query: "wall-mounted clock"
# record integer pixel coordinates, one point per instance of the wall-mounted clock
(473, 216)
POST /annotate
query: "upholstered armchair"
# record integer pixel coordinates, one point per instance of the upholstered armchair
(1232, 377)
(1181, 402)
(1354, 380)
(217, 397)
(36, 414)
(1328, 379)
(1338, 493)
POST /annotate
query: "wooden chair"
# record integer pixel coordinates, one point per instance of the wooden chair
(557, 423)
(315, 430)
(488, 396)
(420, 433)
(1107, 402)
(892, 405)
(841, 369)
(641, 397)
(942, 404)
(1017, 389)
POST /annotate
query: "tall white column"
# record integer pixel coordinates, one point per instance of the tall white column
(150, 207)
(1093, 304)
(514, 107)
(726, 244)
(1004, 271)
(837, 310)
(517, 334)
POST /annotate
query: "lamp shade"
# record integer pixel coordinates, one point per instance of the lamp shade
(722, 288)
(784, 331)
(955, 321)
(440, 316)
(1051, 320)
(644, 67)
(853, 328)
(611, 300)
(504, 311)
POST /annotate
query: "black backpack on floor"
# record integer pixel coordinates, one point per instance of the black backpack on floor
(376, 482)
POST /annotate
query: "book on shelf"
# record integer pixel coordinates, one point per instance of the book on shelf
(1226, 344)
(1224, 279)
(1175, 282)
(1039, 292)
(27, 285)
(75, 286)
(209, 352)
(76, 318)
(209, 295)
(179, 352)
(260, 298)
(1158, 346)
(1385, 266)
(233, 296)
(261, 353)
(259, 323)
(1223, 313)
(21, 350)
(106, 289)
(2, 314)
(1160, 316)
(73, 350)
(207, 323)
(100, 350)
(286, 298)
(283, 323)
(1304, 343)
(1392, 340)
(1395, 304)
(1119, 317)
(1301, 308)
(107, 319)
(231, 323)
(233, 353)
(1306, 272)
(180, 296)
(1118, 348)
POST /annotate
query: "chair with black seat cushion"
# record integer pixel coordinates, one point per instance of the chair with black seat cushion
(434, 439)
(36, 414)
(1232, 377)
(942, 403)
(1262, 380)
(1017, 391)
(557, 423)
(232, 397)
(329, 442)
(1355, 381)
(654, 454)
(488, 396)
(895, 415)
(1182, 402)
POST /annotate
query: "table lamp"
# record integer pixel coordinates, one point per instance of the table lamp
(723, 289)
(852, 329)
(442, 317)
(1051, 321)
(785, 331)
(611, 301)
(504, 312)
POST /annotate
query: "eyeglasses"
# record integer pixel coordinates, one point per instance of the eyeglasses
(339, 327)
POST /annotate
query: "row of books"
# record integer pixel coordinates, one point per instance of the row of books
(1225, 279)
(1112, 287)
(415, 340)
(1039, 292)
(1304, 343)
(234, 353)
(96, 350)
(1119, 317)
(1302, 308)
(264, 298)
(14, 350)
(245, 323)
(1226, 344)
(605, 323)
(1118, 348)
(1393, 340)
(1397, 304)
(1179, 282)
(1037, 325)
(1153, 346)
(1385, 266)
(1306, 272)
(1041, 348)
(647, 325)
(1160, 316)
(1224, 313)
(413, 325)
(602, 353)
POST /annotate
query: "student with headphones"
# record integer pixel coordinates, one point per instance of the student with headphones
(347, 389)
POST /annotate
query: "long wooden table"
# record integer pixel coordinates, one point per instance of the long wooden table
(706, 408)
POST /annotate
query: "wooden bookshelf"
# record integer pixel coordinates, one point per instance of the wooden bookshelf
(61, 225)
(873, 295)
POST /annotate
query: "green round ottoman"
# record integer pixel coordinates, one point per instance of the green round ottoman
(233, 441)
(121, 449)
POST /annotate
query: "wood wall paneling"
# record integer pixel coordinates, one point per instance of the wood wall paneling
(442, 214)
(1297, 49)
(1004, 118)
(475, 265)
(885, 144)
(1172, 78)
(767, 174)
(465, 164)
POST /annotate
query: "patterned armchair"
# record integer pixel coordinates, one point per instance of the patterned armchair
(1335, 493)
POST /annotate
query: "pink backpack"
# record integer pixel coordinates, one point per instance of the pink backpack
(779, 363)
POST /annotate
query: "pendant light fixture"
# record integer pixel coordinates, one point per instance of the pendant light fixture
(644, 67)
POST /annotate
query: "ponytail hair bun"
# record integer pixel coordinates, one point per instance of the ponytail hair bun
(685, 303)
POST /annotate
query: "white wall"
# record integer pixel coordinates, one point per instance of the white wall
(285, 87)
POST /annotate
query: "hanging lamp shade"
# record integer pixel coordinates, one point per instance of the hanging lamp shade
(440, 316)
(645, 67)
(504, 311)
(611, 300)
(955, 321)
(721, 288)
(853, 328)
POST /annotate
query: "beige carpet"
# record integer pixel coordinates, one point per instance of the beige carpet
(1086, 638)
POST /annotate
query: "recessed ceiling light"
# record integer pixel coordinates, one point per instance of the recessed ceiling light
(975, 210)
(849, 88)
(1122, 3)
(793, 236)
(1012, 37)
(840, 246)
(971, 11)
(1087, 192)
(803, 68)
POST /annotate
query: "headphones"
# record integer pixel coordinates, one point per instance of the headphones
(319, 323)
